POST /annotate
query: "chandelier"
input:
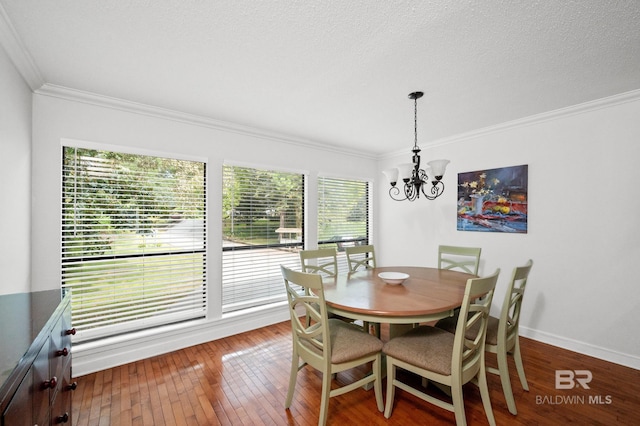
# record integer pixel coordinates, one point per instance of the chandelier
(415, 179)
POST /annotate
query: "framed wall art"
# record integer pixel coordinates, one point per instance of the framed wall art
(493, 200)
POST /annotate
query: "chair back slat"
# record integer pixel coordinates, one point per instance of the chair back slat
(512, 304)
(464, 259)
(469, 354)
(361, 256)
(320, 261)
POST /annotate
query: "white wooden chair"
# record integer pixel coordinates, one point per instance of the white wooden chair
(328, 345)
(463, 259)
(361, 256)
(446, 358)
(503, 337)
(320, 261)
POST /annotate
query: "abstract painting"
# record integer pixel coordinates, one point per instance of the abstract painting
(493, 200)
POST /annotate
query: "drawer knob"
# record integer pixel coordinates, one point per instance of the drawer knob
(63, 352)
(72, 386)
(50, 384)
(71, 331)
(63, 418)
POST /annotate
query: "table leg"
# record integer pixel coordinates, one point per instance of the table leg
(396, 330)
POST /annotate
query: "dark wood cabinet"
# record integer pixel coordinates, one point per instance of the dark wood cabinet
(20, 409)
(35, 359)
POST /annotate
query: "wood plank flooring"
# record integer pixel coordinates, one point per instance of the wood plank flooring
(243, 379)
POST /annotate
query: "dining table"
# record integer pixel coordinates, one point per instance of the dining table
(428, 294)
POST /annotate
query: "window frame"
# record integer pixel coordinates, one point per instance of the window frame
(273, 273)
(152, 321)
(342, 243)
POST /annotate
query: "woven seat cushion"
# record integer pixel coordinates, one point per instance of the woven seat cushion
(449, 324)
(426, 347)
(349, 342)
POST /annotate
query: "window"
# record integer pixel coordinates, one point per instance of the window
(343, 215)
(262, 228)
(133, 240)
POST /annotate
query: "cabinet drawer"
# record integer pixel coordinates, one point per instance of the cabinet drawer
(61, 409)
(61, 344)
(43, 385)
(19, 412)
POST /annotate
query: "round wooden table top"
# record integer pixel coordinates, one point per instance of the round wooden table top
(428, 294)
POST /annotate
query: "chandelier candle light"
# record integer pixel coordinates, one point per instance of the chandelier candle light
(416, 179)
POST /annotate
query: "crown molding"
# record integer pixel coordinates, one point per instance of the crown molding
(17, 52)
(81, 96)
(582, 108)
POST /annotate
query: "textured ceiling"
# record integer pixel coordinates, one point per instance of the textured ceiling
(338, 72)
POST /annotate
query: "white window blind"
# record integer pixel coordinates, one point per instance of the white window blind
(133, 240)
(343, 215)
(262, 229)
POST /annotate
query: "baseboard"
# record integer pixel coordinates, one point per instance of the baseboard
(609, 355)
(92, 357)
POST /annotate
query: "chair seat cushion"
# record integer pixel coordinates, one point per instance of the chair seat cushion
(449, 324)
(349, 342)
(427, 347)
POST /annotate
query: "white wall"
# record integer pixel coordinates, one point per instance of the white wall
(57, 118)
(583, 233)
(15, 179)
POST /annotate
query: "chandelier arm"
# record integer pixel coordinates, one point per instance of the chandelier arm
(436, 190)
(394, 191)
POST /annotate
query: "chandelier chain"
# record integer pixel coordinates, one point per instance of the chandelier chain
(415, 122)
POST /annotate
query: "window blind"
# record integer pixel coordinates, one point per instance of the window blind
(343, 215)
(133, 240)
(262, 229)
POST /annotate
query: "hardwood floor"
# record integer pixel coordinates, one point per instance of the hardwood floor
(243, 379)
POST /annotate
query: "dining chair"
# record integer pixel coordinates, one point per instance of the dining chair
(329, 345)
(365, 257)
(361, 256)
(324, 262)
(463, 259)
(320, 261)
(446, 358)
(502, 333)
